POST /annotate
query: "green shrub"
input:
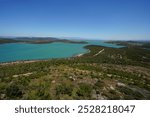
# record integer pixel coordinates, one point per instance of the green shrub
(64, 89)
(14, 91)
(84, 90)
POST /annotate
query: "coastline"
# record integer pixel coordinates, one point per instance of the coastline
(21, 62)
(37, 60)
(81, 54)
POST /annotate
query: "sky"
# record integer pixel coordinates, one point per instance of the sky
(93, 19)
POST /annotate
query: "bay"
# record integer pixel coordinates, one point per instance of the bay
(21, 51)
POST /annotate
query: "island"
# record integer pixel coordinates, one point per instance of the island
(37, 40)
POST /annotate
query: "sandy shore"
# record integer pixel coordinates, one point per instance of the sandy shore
(81, 54)
(18, 62)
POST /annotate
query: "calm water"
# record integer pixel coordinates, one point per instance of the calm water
(14, 51)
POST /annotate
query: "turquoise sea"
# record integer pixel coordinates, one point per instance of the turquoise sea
(19, 51)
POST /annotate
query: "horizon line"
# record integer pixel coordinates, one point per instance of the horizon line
(61, 37)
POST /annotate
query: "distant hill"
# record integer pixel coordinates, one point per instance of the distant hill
(37, 40)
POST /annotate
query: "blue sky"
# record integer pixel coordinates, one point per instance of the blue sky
(95, 19)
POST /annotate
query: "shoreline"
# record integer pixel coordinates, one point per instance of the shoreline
(81, 54)
(38, 60)
(21, 61)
